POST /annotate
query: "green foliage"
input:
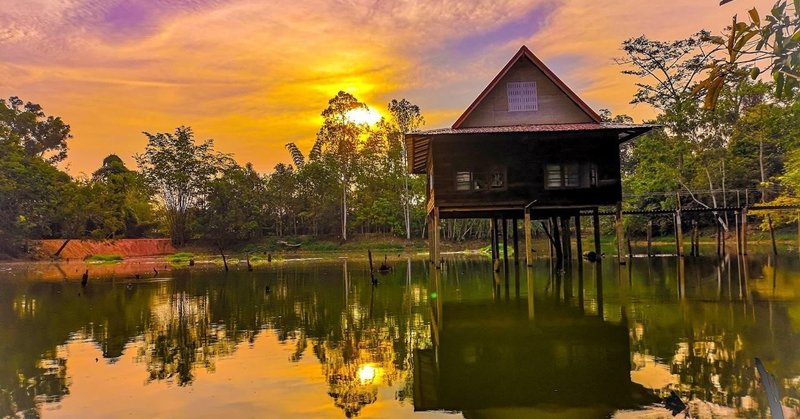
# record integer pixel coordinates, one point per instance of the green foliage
(39, 135)
(769, 43)
(35, 198)
(234, 206)
(180, 172)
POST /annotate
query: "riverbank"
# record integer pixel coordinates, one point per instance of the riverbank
(111, 251)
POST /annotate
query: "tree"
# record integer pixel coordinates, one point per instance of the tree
(122, 199)
(405, 117)
(33, 194)
(338, 138)
(179, 171)
(233, 208)
(38, 134)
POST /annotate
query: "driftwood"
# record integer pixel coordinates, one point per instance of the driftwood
(287, 244)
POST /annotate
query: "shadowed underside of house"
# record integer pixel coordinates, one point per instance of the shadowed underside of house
(527, 148)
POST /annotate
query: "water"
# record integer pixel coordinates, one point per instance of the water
(324, 343)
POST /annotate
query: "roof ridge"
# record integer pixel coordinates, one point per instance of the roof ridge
(527, 53)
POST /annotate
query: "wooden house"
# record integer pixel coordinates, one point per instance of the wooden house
(527, 147)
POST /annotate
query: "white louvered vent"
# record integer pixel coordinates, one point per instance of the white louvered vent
(522, 96)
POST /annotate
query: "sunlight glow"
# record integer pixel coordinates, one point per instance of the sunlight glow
(365, 116)
(366, 373)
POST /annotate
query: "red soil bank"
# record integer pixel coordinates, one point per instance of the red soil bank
(79, 249)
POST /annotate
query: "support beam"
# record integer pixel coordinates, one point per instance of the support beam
(596, 224)
(555, 231)
(515, 235)
(436, 238)
(578, 237)
(505, 245)
(566, 240)
(738, 231)
(772, 235)
(529, 239)
(619, 232)
(744, 230)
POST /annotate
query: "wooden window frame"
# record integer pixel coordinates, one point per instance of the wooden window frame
(585, 171)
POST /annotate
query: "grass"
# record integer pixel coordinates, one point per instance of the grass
(104, 259)
(180, 257)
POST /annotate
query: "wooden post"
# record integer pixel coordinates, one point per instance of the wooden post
(528, 239)
(628, 242)
(436, 237)
(738, 232)
(695, 239)
(505, 243)
(649, 238)
(744, 230)
(678, 233)
(596, 223)
(493, 244)
(724, 245)
(578, 237)
(719, 237)
(619, 231)
(772, 235)
(554, 230)
(515, 235)
(566, 239)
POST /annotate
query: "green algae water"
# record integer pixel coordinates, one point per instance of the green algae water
(316, 339)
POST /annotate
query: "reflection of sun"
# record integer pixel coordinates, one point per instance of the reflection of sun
(366, 373)
(366, 116)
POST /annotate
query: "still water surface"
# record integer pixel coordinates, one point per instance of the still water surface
(461, 342)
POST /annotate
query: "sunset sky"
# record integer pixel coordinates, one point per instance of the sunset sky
(255, 74)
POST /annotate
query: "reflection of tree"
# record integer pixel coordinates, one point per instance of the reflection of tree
(710, 346)
(174, 339)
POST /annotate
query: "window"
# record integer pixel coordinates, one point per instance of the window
(522, 96)
(570, 175)
(493, 179)
(463, 181)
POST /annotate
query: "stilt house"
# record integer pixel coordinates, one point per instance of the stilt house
(527, 147)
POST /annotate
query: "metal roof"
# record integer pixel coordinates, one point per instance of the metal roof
(533, 128)
(418, 142)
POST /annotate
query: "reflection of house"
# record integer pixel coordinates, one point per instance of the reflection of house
(492, 356)
(526, 139)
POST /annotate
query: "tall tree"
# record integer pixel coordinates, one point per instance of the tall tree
(179, 170)
(38, 134)
(405, 117)
(339, 138)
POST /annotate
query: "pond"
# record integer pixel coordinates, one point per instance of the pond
(316, 339)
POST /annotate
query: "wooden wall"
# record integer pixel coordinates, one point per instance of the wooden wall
(524, 159)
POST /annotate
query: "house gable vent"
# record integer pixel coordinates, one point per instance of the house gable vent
(522, 96)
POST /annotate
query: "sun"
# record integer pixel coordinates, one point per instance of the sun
(365, 116)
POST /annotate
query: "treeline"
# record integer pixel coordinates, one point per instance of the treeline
(728, 103)
(353, 180)
(729, 106)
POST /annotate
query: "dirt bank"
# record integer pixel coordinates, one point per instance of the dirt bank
(79, 249)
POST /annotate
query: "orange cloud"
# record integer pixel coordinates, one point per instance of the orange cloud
(255, 75)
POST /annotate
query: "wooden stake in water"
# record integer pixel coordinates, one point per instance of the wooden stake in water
(772, 235)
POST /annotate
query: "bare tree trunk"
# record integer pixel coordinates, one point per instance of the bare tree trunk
(344, 210)
(761, 168)
(63, 245)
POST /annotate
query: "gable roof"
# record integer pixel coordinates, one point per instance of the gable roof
(524, 52)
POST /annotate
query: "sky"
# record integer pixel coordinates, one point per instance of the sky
(255, 75)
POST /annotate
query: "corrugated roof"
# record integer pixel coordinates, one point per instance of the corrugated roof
(534, 128)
